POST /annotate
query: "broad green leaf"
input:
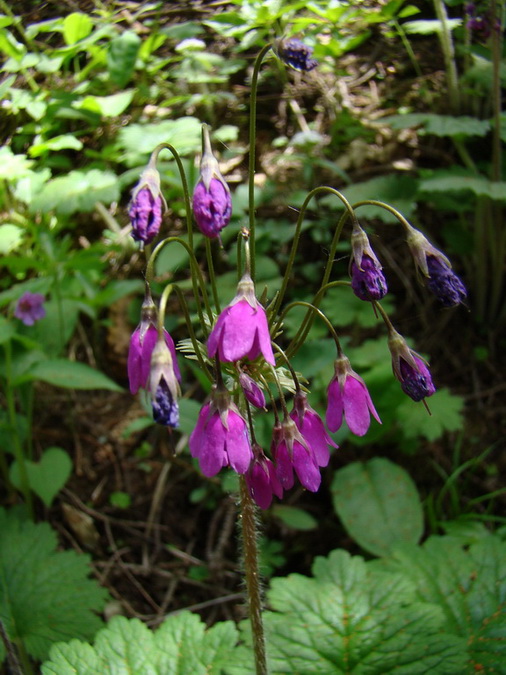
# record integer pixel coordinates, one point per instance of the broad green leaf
(76, 26)
(77, 191)
(468, 585)
(107, 106)
(440, 125)
(13, 166)
(378, 505)
(480, 186)
(140, 139)
(72, 375)
(10, 237)
(445, 415)
(350, 619)
(188, 415)
(121, 57)
(45, 595)
(181, 645)
(429, 26)
(7, 330)
(63, 142)
(47, 476)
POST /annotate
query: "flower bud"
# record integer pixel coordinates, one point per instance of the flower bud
(163, 385)
(30, 308)
(145, 209)
(367, 280)
(410, 369)
(295, 54)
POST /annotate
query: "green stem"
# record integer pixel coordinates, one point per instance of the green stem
(299, 338)
(18, 448)
(407, 46)
(250, 555)
(196, 274)
(212, 276)
(252, 147)
(496, 39)
(193, 337)
(449, 55)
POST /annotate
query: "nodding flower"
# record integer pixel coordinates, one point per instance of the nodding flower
(410, 369)
(295, 54)
(146, 206)
(163, 385)
(261, 479)
(367, 279)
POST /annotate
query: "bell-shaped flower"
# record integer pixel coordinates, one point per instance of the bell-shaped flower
(261, 479)
(436, 270)
(30, 308)
(146, 206)
(163, 385)
(220, 437)
(294, 53)
(212, 203)
(312, 429)
(252, 391)
(291, 451)
(348, 399)
(367, 279)
(410, 369)
(241, 330)
(141, 347)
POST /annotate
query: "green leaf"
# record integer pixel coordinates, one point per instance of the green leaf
(445, 415)
(378, 505)
(181, 645)
(470, 588)
(121, 57)
(45, 595)
(7, 330)
(72, 375)
(63, 142)
(11, 237)
(429, 26)
(445, 182)
(76, 26)
(13, 167)
(350, 618)
(47, 476)
(296, 518)
(140, 139)
(107, 106)
(440, 125)
(77, 191)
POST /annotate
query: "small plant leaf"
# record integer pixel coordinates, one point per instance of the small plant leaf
(440, 125)
(77, 191)
(76, 26)
(45, 595)
(72, 375)
(47, 476)
(296, 518)
(378, 505)
(121, 57)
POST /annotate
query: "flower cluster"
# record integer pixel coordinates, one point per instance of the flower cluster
(242, 355)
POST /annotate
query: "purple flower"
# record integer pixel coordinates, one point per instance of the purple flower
(311, 428)
(436, 270)
(295, 54)
(212, 204)
(348, 398)
(409, 368)
(145, 215)
(261, 479)
(212, 207)
(252, 391)
(291, 451)
(367, 280)
(141, 347)
(221, 436)
(444, 283)
(163, 385)
(241, 330)
(29, 308)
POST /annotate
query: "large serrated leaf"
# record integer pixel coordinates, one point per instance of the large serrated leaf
(480, 186)
(378, 505)
(440, 125)
(45, 595)
(469, 586)
(350, 620)
(77, 191)
(181, 645)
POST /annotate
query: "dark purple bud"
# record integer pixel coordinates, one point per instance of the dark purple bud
(295, 54)
(252, 391)
(165, 407)
(416, 382)
(368, 281)
(30, 308)
(212, 207)
(444, 283)
(146, 215)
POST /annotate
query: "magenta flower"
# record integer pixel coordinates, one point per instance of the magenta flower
(261, 479)
(348, 398)
(145, 209)
(241, 330)
(221, 436)
(367, 280)
(163, 385)
(252, 391)
(311, 428)
(410, 369)
(295, 54)
(141, 347)
(30, 308)
(292, 452)
(212, 203)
